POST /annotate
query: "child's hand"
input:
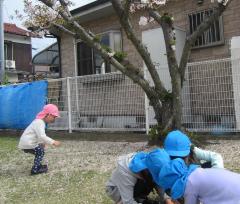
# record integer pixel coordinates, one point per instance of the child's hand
(56, 143)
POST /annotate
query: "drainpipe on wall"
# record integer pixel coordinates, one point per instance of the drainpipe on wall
(76, 76)
(75, 57)
(59, 56)
(2, 68)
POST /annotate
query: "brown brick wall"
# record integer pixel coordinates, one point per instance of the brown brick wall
(67, 56)
(231, 28)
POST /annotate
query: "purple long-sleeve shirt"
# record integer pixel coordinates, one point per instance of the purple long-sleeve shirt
(212, 186)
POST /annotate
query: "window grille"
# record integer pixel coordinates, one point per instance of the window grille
(213, 36)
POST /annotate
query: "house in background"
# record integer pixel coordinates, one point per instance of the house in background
(209, 101)
(99, 17)
(18, 52)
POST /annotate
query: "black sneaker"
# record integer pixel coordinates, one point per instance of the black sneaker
(43, 169)
(44, 166)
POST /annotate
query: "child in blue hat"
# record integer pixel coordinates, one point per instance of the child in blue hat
(131, 181)
(196, 184)
(178, 145)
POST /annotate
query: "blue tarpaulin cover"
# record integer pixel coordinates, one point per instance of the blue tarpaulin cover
(19, 104)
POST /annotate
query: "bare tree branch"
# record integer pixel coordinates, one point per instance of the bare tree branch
(64, 29)
(169, 40)
(64, 4)
(124, 20)
(127, 69)
(127, 7)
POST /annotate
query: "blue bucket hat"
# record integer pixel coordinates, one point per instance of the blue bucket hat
(177, 144)
(138, 163)
(155, 161)
(174, 176)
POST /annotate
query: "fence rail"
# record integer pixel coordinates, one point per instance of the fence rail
(211, 100)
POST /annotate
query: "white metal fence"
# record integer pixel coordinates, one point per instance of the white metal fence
(211, 100)
(98, 102)
(211, 96)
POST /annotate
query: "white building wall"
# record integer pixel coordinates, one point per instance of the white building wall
(17, 38)
(154, 40)
(235, 56)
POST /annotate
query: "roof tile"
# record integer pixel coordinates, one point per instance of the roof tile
(13, 29)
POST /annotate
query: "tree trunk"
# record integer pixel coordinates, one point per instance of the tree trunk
(163, 115)
(177, 101)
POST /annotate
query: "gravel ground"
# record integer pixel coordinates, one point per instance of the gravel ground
(101, 156)
(89, 155)
(230, 151)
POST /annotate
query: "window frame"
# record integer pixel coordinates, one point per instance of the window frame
(206, 43)
(94, 53)
(5, 51)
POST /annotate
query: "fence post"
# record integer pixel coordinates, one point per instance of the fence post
(146, 114)
(146, 105)
(69, 106)
(76, 75)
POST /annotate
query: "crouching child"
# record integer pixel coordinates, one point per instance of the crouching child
(34, 138)
(131, 182)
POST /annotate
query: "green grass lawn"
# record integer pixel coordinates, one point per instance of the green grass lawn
(71, 185)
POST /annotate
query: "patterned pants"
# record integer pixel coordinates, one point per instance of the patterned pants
(39, 154)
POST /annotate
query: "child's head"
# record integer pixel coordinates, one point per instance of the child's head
(177, 144)
(49, 113)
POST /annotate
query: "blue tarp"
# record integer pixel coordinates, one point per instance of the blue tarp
(19, 104)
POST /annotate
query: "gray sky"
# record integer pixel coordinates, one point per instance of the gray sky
(9, 6)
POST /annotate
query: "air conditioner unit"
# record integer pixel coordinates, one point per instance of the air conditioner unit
(10, 64)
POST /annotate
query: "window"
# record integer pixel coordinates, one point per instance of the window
(5, 52)
(213, 36)
(89, 59)
(8, 50)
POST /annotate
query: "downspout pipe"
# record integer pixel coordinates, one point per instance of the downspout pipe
(2, 68)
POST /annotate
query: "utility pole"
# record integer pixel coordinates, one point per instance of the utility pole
(2, 68)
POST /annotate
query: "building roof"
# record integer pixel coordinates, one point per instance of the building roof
(88, 6)
(13, 29)
(95, 10)
(48, 56)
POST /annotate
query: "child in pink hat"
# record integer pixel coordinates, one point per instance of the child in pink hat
(34, 138)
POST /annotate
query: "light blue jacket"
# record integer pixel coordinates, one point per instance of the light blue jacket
(208, 156)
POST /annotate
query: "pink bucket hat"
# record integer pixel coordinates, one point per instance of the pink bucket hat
(48, 109)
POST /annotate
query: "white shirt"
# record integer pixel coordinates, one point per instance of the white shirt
(33, 135)
(212, 186)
